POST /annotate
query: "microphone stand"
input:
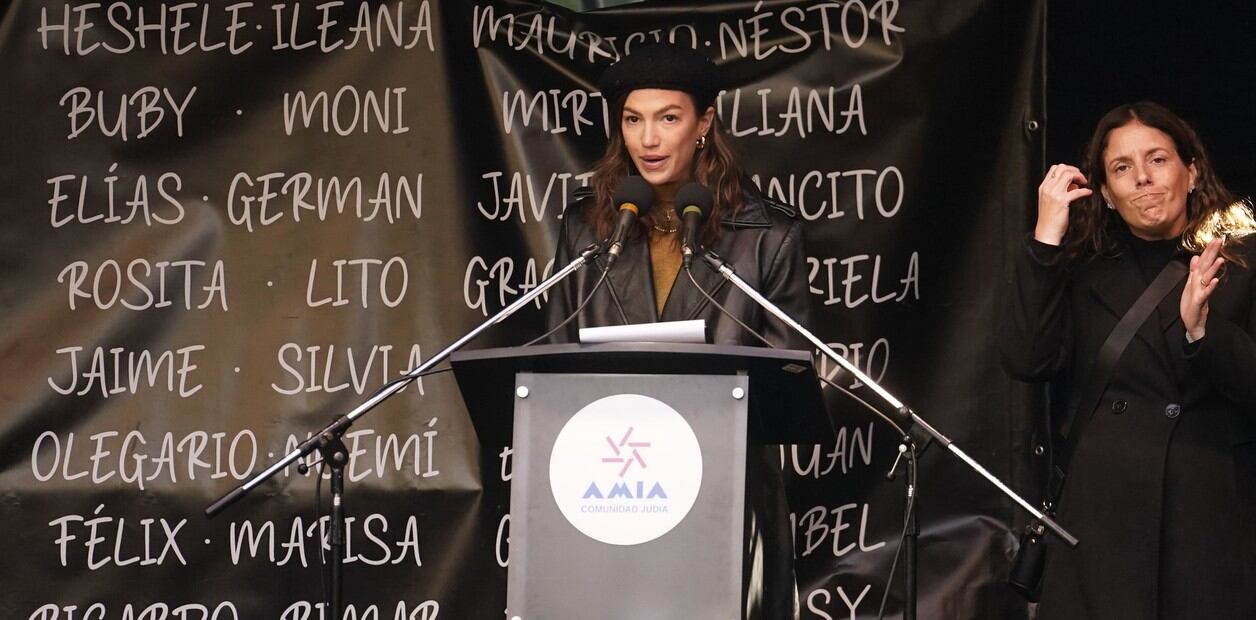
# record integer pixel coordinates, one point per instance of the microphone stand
(905, 415)
(328, 440)
(911, 527)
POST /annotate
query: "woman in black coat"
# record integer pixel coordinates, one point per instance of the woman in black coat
(762, 242)
(1160, 483)
(666, 132)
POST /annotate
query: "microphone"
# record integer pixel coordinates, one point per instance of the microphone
(633, 198)
(694, 202)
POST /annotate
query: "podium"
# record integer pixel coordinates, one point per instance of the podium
(629, 470)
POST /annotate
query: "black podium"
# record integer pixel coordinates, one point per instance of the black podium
(628, 485)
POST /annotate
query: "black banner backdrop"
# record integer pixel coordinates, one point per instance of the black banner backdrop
(228, 222)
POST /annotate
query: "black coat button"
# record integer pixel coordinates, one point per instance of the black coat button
(1172, 410)
(1119, 406)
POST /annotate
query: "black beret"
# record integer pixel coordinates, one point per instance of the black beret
(662, 65)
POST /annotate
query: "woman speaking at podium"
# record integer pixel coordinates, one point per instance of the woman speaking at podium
(667, 134)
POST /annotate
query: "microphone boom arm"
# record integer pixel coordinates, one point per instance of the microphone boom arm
(718, 264)
(338, 427)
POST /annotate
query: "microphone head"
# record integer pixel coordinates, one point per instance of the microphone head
(693, 198)
(636, 194)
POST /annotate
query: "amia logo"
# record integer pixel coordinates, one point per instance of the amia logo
(626, 469)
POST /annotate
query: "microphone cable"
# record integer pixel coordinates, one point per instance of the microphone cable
(303, 469)
(407, 378)
(910, 454)
(580, 308)
(767, 343)
(902, 537)
(619, 305)
(725, 312)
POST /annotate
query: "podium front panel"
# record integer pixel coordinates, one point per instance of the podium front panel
(627, 497)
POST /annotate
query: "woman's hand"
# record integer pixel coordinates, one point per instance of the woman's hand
(1200, 283)
(1062, 185)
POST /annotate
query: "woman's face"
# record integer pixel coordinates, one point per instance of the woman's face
(1147, 181)
(661, 130)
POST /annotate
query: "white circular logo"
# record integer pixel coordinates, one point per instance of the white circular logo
(626, 469)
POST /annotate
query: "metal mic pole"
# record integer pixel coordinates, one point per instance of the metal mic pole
(328, 441)
(337, 457)
(342, 423)
(905, 414)
(718, 264)
(910, 537)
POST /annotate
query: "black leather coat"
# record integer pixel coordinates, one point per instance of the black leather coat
(763, 244)
(1161, 486)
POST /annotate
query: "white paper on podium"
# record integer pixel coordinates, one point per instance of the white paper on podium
(669, 331)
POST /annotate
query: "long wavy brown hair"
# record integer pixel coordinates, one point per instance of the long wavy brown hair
(715, 167)
(1211, 209)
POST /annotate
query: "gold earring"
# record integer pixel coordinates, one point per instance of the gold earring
(701, 144)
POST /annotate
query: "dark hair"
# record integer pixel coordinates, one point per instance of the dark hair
(1211, 209)
(715, 166)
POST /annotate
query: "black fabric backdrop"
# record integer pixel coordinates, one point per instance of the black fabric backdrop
(226, 223)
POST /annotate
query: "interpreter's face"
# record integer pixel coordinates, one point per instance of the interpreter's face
(1147, 181)
(661, 130)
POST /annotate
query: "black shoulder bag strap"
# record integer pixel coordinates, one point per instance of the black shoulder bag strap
(1082, 405)
(1026, 573)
